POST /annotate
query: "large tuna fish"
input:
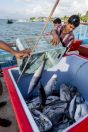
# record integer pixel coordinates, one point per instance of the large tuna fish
(41, 120)
(51, 85)
(81, 108)
(64, 93)
(55, 111)
(79, 99)
(73, 91)
(35, 103)
(51, 99)
(42, 97)
(81, 111)
(36, 77)
(72, 107)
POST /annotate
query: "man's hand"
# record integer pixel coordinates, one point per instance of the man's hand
(21, 54)
(18, 54)
(55, 41)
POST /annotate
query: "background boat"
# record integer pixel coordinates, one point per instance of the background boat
(9, 21)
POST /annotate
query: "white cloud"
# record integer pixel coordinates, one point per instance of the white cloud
(31, 8)
(65, 7)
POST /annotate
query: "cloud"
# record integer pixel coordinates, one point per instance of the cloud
(65, 7)
(37, 8)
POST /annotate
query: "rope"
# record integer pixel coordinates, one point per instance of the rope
(35, 46)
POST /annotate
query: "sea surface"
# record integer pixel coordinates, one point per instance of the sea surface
(10, 32)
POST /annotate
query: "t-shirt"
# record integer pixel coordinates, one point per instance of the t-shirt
(65, 38)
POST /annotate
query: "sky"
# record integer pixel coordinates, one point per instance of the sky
(23, 9)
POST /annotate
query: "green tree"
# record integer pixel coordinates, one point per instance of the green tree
(32, 18)
(86, 13)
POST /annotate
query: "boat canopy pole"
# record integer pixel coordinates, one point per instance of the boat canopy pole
(41, 33)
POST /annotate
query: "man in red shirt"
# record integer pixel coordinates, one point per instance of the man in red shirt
(64, 34)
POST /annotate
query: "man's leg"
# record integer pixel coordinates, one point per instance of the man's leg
(5, 122)
(3, 103)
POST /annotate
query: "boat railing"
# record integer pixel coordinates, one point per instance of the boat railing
(82, 32)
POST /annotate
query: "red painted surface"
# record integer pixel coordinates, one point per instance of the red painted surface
(22, 120)
(83, 50)
(75, 45)
(81, 127)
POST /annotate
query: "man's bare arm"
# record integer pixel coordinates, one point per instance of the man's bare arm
(55, 40)
(20, 54)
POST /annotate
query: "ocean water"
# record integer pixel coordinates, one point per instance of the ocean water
(10, 32)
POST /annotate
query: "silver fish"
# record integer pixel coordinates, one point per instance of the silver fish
(51, 85)
(55, 111)
(60, 127)
(51, 99)
(36, 77)
(41, 120)
(35, 103)
(73, 91)
(72, 107)
(79, 99)
(81, 111)
(64, 93)
(42, 96)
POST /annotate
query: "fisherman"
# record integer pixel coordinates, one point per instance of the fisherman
(57, 22)
(20, 54)
(64, 34)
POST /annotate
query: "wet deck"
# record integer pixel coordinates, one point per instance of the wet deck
(7, 111)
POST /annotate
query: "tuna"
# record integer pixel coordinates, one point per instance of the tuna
(64, 93)
(51, 99)
(36, 77)
(72, 107)
(73, 91)
(51, 85)
(41, 120)
(42, 95)
(55, 111)
(42, 98)
(79, 99)
(81, 111)
(35, 103)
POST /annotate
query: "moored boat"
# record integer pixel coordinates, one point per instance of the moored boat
(9, 21)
